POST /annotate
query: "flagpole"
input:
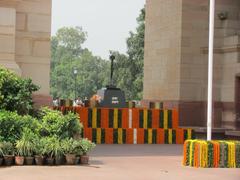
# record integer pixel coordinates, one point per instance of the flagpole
(210, 70)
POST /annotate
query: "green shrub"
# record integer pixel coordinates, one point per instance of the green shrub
(12, 125)
(72, 127)
(15, 92)
(50, 144)
(25, 145)
(1, 149)
(69, 146)
(86, 146)
(57, 149)
(78, 147)
(55, 123)
(7, 148)
(39, 146)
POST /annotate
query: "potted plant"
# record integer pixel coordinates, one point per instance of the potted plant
(39, 151)
(48, 150)
(26, 146)
(19, 158)
(78, 151)
(69, 151)
(1, 153)
(8, 153)
(58, 152)
(53, 150)
(86, 146)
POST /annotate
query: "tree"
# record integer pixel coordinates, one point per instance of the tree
(129, 74)
(67, 55)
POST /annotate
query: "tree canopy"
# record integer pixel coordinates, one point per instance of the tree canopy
(130, 67)
(93, 72)
(67, 55)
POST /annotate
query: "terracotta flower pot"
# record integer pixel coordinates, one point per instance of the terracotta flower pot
(70, 159)
(1, 161)
(19, 160)
(8, 160)
(39, 160)
(84, 159)
(50, 161)
(29, 160)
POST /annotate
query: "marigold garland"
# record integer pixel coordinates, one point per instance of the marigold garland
(211, 154)
(131, 126)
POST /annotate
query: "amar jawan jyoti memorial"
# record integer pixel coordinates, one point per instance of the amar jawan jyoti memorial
(175, 63)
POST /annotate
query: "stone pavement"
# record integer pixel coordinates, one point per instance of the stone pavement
(120, 162)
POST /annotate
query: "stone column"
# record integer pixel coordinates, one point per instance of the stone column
(7, 38)
(33, 44)
(25, 38)
(175, 62)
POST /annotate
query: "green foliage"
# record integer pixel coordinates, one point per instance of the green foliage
(86, 146)
(12, 125)
(50, 123)
(55, 123)
(129, 68)
(78, 147)
(69, 40)
(25, 146)
(69, 146)
(57, 149)
(1, 149)
(6, 148)
(39, 146)
(15, 92)
(93, 72)
(49, 145)
(67, 55)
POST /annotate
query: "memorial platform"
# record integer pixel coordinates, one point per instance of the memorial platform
(131, 125)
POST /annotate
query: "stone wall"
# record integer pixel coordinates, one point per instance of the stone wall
(7, 38)
(162, 50)
(187, 63)
(26, 46)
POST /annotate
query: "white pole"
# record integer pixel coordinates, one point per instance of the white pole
(210, 69)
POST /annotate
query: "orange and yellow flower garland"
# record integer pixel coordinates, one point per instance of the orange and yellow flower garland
(206, 154)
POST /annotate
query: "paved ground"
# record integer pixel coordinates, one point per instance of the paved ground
(123, 162)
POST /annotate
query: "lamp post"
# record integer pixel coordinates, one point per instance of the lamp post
(75, 78)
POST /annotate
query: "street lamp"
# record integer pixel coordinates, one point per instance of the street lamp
(75, 78)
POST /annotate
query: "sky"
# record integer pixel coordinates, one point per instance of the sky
(107, 22)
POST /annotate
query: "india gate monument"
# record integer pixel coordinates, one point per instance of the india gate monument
(25, 31)
(175, 62)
